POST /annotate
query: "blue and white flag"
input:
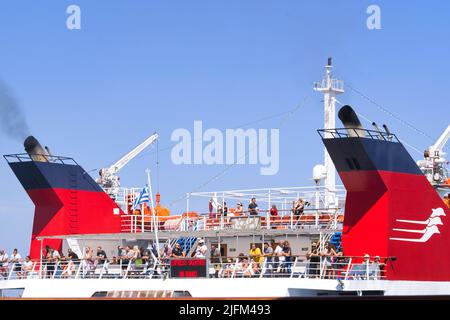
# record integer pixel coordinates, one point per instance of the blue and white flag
(143, 197)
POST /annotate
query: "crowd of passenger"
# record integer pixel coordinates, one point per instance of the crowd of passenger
(274, 259)
(217, 210)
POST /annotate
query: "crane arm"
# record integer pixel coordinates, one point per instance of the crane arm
(132, 154)
(440, 143)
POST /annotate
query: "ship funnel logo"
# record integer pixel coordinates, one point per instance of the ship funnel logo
(431, 227)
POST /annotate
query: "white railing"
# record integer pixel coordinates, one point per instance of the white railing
(205, 222)
(340, 268)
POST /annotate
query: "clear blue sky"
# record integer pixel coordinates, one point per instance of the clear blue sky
(133, 69)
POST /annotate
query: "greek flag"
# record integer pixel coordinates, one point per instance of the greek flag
(142, 198)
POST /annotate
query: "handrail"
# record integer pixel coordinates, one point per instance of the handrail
(359, 133)
(343, 268)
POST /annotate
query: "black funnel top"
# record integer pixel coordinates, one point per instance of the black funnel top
(349, 118)
(30, 144)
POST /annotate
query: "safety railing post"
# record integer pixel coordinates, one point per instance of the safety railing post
(102, 269)
(78, 269)
(348, 268)
(293, 267)
(56, 269)
(367, 270)
(11, 271)
(234, 268)
(263, 267)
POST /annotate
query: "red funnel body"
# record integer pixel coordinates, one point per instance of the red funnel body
(391, 209)
(67, 200)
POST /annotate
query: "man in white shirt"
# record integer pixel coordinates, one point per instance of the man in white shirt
(279, 257)
(200, 252)
(16, 260)
(3, 263)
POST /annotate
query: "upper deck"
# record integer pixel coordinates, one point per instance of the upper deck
(316, 217)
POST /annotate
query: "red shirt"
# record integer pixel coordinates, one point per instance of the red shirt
(273, 211)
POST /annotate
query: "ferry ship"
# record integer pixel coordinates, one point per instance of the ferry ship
(387, 226)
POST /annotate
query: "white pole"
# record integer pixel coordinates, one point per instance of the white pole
(153, 209)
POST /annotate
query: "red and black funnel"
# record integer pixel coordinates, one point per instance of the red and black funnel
(391, 208)
(67, 200)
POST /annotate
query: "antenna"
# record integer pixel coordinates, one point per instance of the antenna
(330, 88)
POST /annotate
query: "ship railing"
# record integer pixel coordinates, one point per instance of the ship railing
(25, 157)
(296, 266)
(285, 220)
(357, 132)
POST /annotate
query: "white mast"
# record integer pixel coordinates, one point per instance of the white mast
(330, 88)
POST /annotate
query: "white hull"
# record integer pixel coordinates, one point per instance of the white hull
(222, 288)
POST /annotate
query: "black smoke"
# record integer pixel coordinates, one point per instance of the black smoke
(12, 118)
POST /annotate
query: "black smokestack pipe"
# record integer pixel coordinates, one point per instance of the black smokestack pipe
(35, 150)
(377, 129)
(351, 122)
(388, 132)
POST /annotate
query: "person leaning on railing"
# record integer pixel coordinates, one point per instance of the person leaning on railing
(216, 259)
(3, 263)
(313, 268)
(27, 267)
(268, 255)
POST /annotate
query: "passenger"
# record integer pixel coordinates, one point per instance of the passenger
(360, 271)
(239, 210)
(447, 200)
(255, 254)
(247, 270)
(225, 209)
(278, 253)
(328, 256)
(16, 260)
(166, 253)
(69, 268)
(339, 261)
(50, 261)
(211, 207)
(178, 252)
(253, 209)
(3, 263)
(314, 262)
(273, 215)
(102, 259)
(268, 254)
(201, 249)
(89, 261)
(219, 211)
(216, 260)
(287, 253)
(228, 268)
(136, 258)
(297, 208)
(27, 267)
(273, 211)
(255, 269)
(376, 268)
(241, 265)
(101, 256)
(73, 256)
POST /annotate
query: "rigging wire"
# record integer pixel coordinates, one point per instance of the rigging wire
(287, 114)
(385, 110)
(370, 121)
